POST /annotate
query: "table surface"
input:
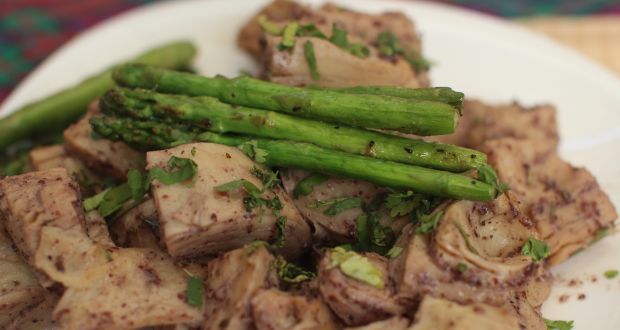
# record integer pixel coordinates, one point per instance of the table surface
(30, 30)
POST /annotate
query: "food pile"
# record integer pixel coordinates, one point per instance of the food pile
(338, 190)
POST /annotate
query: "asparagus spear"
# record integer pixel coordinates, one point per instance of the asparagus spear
(55, 112)
(281, 153)
(372, 111)
(211, 114)
(439, 94)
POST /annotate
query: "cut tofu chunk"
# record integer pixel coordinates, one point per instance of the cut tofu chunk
(232, 281)
(273, 309)
(482, 122)
(337, 68)
(135, 228)
(113, 288)
(195, 219)
(566, 203)
(48, 157)
(35, 200)
(112, 158)
(353, 301)
(19, 288)
(474, 255)
(441, 314)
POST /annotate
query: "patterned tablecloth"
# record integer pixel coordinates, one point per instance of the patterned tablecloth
(30, 30)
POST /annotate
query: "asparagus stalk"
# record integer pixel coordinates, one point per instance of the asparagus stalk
(281, 153)
(55, 112)
(438, 94)
(211, 114)
(372, 111)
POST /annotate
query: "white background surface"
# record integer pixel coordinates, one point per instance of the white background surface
(479, 55)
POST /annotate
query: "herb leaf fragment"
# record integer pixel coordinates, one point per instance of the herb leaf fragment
(538, 250)
(558, 325)
(292, 273)
(194, 291)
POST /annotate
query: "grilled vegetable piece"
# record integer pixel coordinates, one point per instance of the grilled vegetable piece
(337, 68)
(461, 262)
(273, 309)
(441, 314)
(371, 111)
(112, 158)
(113, 288)
(211, 114)
(393, 323)
(232, 281)
(565, 203)
(482, 122)
(361, 29)
(353, 301)
(20, 289)
(36, 317)
(56, 111)
(197, 219)
(154, 135)
(48, 157)
(32, 201)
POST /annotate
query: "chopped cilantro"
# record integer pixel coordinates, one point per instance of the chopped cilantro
(536, 249)
(291, 273)
(339, 37)
(611, 274)
(461, 267)
(93, 202)
(252, 150)
(288, 36)
(372, 235)
(359, 50)
(389, 46)
(310, 30)
(357, 266)
(600, 234)
(394, 252)
(337, 205)
(280, 225)
(558, 325)
(343, 205)
(194, 291)
(401, 204)
(305, 186)
(311, 59)
(112, 199)
(269, 26)
(487, 174)
(428, 222)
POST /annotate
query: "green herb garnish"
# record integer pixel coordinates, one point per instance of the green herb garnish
(311, 59)
(305, 186)
(372, 235)
(461, 267)
(291, 273)
(194, 291)
(536, 249)
(428, 222)
(252, 150)
(339, 37)
(394, 252)
(558, 325)
(487, 174)
(288, 36)
(269, 26)
(611, 274)
(310, 30)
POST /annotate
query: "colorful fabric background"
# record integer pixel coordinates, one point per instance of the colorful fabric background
(30, 30)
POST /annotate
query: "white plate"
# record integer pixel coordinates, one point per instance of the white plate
(482, 56)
